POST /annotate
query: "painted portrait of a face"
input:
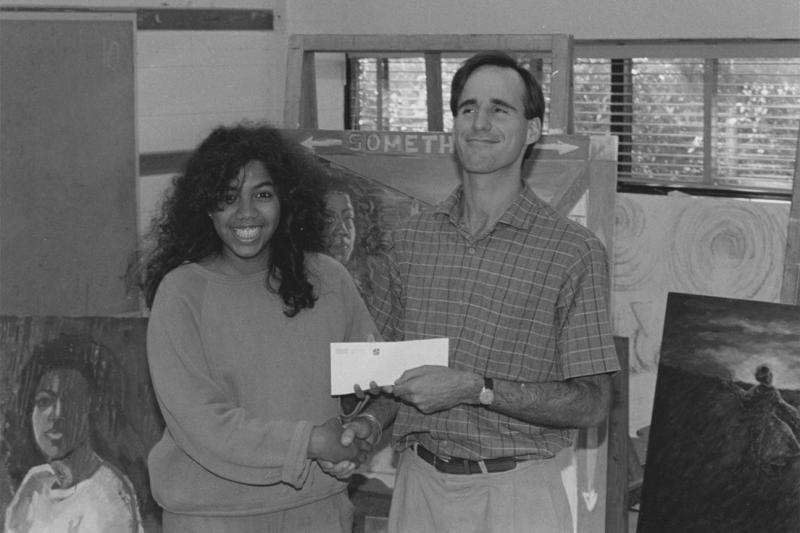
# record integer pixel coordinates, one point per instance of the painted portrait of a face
(340, 230)
(66, 474)
(60, 417)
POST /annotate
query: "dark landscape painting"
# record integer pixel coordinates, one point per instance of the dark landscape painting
(724, 446)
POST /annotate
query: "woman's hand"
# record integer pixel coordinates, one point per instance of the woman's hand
(342, 470)
(326, 444)
(356, 430)
(374, 390)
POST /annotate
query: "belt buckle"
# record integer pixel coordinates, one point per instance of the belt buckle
(438, 461)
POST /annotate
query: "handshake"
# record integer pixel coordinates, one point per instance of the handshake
(341, 448)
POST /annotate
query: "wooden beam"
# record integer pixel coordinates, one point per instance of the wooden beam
(205, 19)
(294, 83)
(790, 290)
(561, 91)
(433, 86)
(618, 452)
(157, 163)
(710, 77)
(177, 19)
(376, 43)
(308, 92)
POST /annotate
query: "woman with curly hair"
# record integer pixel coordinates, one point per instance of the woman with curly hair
(243, 310)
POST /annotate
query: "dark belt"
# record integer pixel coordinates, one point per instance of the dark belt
(455, 465)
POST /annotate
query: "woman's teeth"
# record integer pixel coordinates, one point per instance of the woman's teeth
(246, 234)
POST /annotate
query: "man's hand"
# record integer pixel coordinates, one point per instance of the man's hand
(434, 388)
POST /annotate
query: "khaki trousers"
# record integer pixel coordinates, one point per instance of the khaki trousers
(531, 499)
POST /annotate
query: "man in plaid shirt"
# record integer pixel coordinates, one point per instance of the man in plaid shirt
(522, 294)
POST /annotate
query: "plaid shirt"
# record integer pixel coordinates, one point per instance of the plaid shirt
(526, 302)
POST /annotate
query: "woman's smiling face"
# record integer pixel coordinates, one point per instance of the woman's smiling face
(61, 412)
(247, 218)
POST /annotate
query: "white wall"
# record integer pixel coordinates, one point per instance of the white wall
(585, 19)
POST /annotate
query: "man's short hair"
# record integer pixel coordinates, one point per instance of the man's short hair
(533, 99)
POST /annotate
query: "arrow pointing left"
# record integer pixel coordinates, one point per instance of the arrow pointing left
(311, 143)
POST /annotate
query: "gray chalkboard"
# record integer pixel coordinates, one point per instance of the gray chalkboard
(68, 210)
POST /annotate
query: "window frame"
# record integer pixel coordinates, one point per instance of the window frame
(711, 51)
(621, 55)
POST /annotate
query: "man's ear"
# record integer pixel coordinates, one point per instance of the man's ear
(534, 130)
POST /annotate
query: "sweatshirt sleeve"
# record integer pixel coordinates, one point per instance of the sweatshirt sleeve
(204, 422)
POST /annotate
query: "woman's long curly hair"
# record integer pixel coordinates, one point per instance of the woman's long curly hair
(183, 232)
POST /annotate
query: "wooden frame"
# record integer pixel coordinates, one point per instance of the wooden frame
(790, 290)
(300, 109)
(618, 450)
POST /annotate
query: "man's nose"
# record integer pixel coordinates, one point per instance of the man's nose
(481, 120)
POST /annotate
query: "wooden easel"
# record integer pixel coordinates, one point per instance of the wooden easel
(300, 109)
(790, 290)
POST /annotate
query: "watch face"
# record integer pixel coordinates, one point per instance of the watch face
(486, 396)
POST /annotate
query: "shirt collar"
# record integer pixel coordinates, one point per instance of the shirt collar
(520, 214)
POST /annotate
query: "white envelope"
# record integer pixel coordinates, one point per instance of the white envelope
(382, 362)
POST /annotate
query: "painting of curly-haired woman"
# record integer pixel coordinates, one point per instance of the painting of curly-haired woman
(360, 214)
(65, 472)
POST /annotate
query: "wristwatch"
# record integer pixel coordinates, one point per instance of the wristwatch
(486, 397)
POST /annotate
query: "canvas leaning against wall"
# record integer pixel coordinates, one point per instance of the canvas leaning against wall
(725, 247)
(724, 449)
(77, 418)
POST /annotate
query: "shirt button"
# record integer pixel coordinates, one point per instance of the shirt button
(472, 250)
